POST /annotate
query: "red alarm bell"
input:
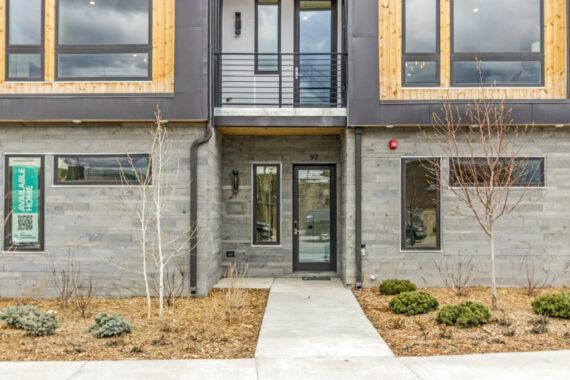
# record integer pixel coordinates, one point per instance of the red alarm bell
(393, 144)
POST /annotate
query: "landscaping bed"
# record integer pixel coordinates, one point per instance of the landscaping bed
(214, 327)
(513, 328)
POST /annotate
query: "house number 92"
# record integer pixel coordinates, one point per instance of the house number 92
(314, 156)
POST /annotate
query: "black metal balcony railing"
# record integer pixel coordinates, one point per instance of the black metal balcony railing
(280, 80)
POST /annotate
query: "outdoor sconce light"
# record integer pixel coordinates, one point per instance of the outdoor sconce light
(235, 181)
(393, 144)
(238, 23)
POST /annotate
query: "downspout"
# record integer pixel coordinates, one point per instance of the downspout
(358, 204)
(194, 161)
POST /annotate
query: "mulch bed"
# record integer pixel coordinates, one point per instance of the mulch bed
(509, 330)
(192, 328)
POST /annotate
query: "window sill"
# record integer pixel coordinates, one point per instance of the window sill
(25, 252)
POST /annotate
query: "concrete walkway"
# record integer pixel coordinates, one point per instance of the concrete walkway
(311, 330)
(316, 319)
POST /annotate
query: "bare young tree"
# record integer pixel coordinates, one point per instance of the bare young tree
(485, 164)
(148, 195)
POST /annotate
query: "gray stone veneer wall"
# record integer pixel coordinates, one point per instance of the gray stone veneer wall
(539, 228)
(239, 153)
(209, 214)
(91, 222)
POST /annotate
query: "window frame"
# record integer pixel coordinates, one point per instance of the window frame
(57, 182)
(542, 166)
(496, 57)
(254, 205)
(24, 49)
(256, 42)
(438, 217)
(427, 57)
(8, 204)
(104, 49)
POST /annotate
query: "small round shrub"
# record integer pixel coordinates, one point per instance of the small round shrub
(392, 287)
(553, 305)
(413, 303)
(42, 324)
(107, 325)
(464, 314)
(15, 315)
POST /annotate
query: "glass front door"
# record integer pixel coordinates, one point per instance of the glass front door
(315, 42)
(314, 218)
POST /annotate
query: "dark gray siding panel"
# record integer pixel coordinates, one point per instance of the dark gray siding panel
(189, 101)
(551, 113)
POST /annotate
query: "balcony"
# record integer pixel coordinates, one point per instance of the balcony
(311, 80)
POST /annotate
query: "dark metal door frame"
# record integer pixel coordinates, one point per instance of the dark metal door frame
(297, 48)
(315, 267)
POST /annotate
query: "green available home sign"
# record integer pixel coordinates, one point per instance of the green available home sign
(25, 204)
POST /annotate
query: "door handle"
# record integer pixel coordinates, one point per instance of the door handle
(295, 229)
(297, 75)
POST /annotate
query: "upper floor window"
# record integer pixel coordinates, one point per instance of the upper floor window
(24, 40)
(420, 43)
(497, 42)
(267, 32)
(103, 39)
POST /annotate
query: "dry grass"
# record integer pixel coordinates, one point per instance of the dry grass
(514, 328)
(193, 328)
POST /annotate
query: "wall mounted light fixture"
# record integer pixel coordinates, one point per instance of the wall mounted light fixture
(238, 23)
(235, 181)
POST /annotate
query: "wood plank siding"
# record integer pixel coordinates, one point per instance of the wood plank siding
(163, 23)
(390, 58)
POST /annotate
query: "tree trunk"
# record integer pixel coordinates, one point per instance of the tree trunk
(493, 279)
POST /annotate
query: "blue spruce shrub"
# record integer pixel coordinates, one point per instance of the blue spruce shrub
(107, 325)
(15, 315)
(44, 323)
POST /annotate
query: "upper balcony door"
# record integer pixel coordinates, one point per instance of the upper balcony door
(315, 44)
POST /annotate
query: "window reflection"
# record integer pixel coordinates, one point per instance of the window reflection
(267, 34)
(421, 28)
(496, 26)
(120, 65)
(314, 210)
(266, 204)
(477, 171)
(102, 169)
(25, 22)
(316, 71)
(103, 22)
(503, 72)
(24, 66)
(420, 217)
(420, 72)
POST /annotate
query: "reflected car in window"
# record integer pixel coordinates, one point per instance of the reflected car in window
(415, 229)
